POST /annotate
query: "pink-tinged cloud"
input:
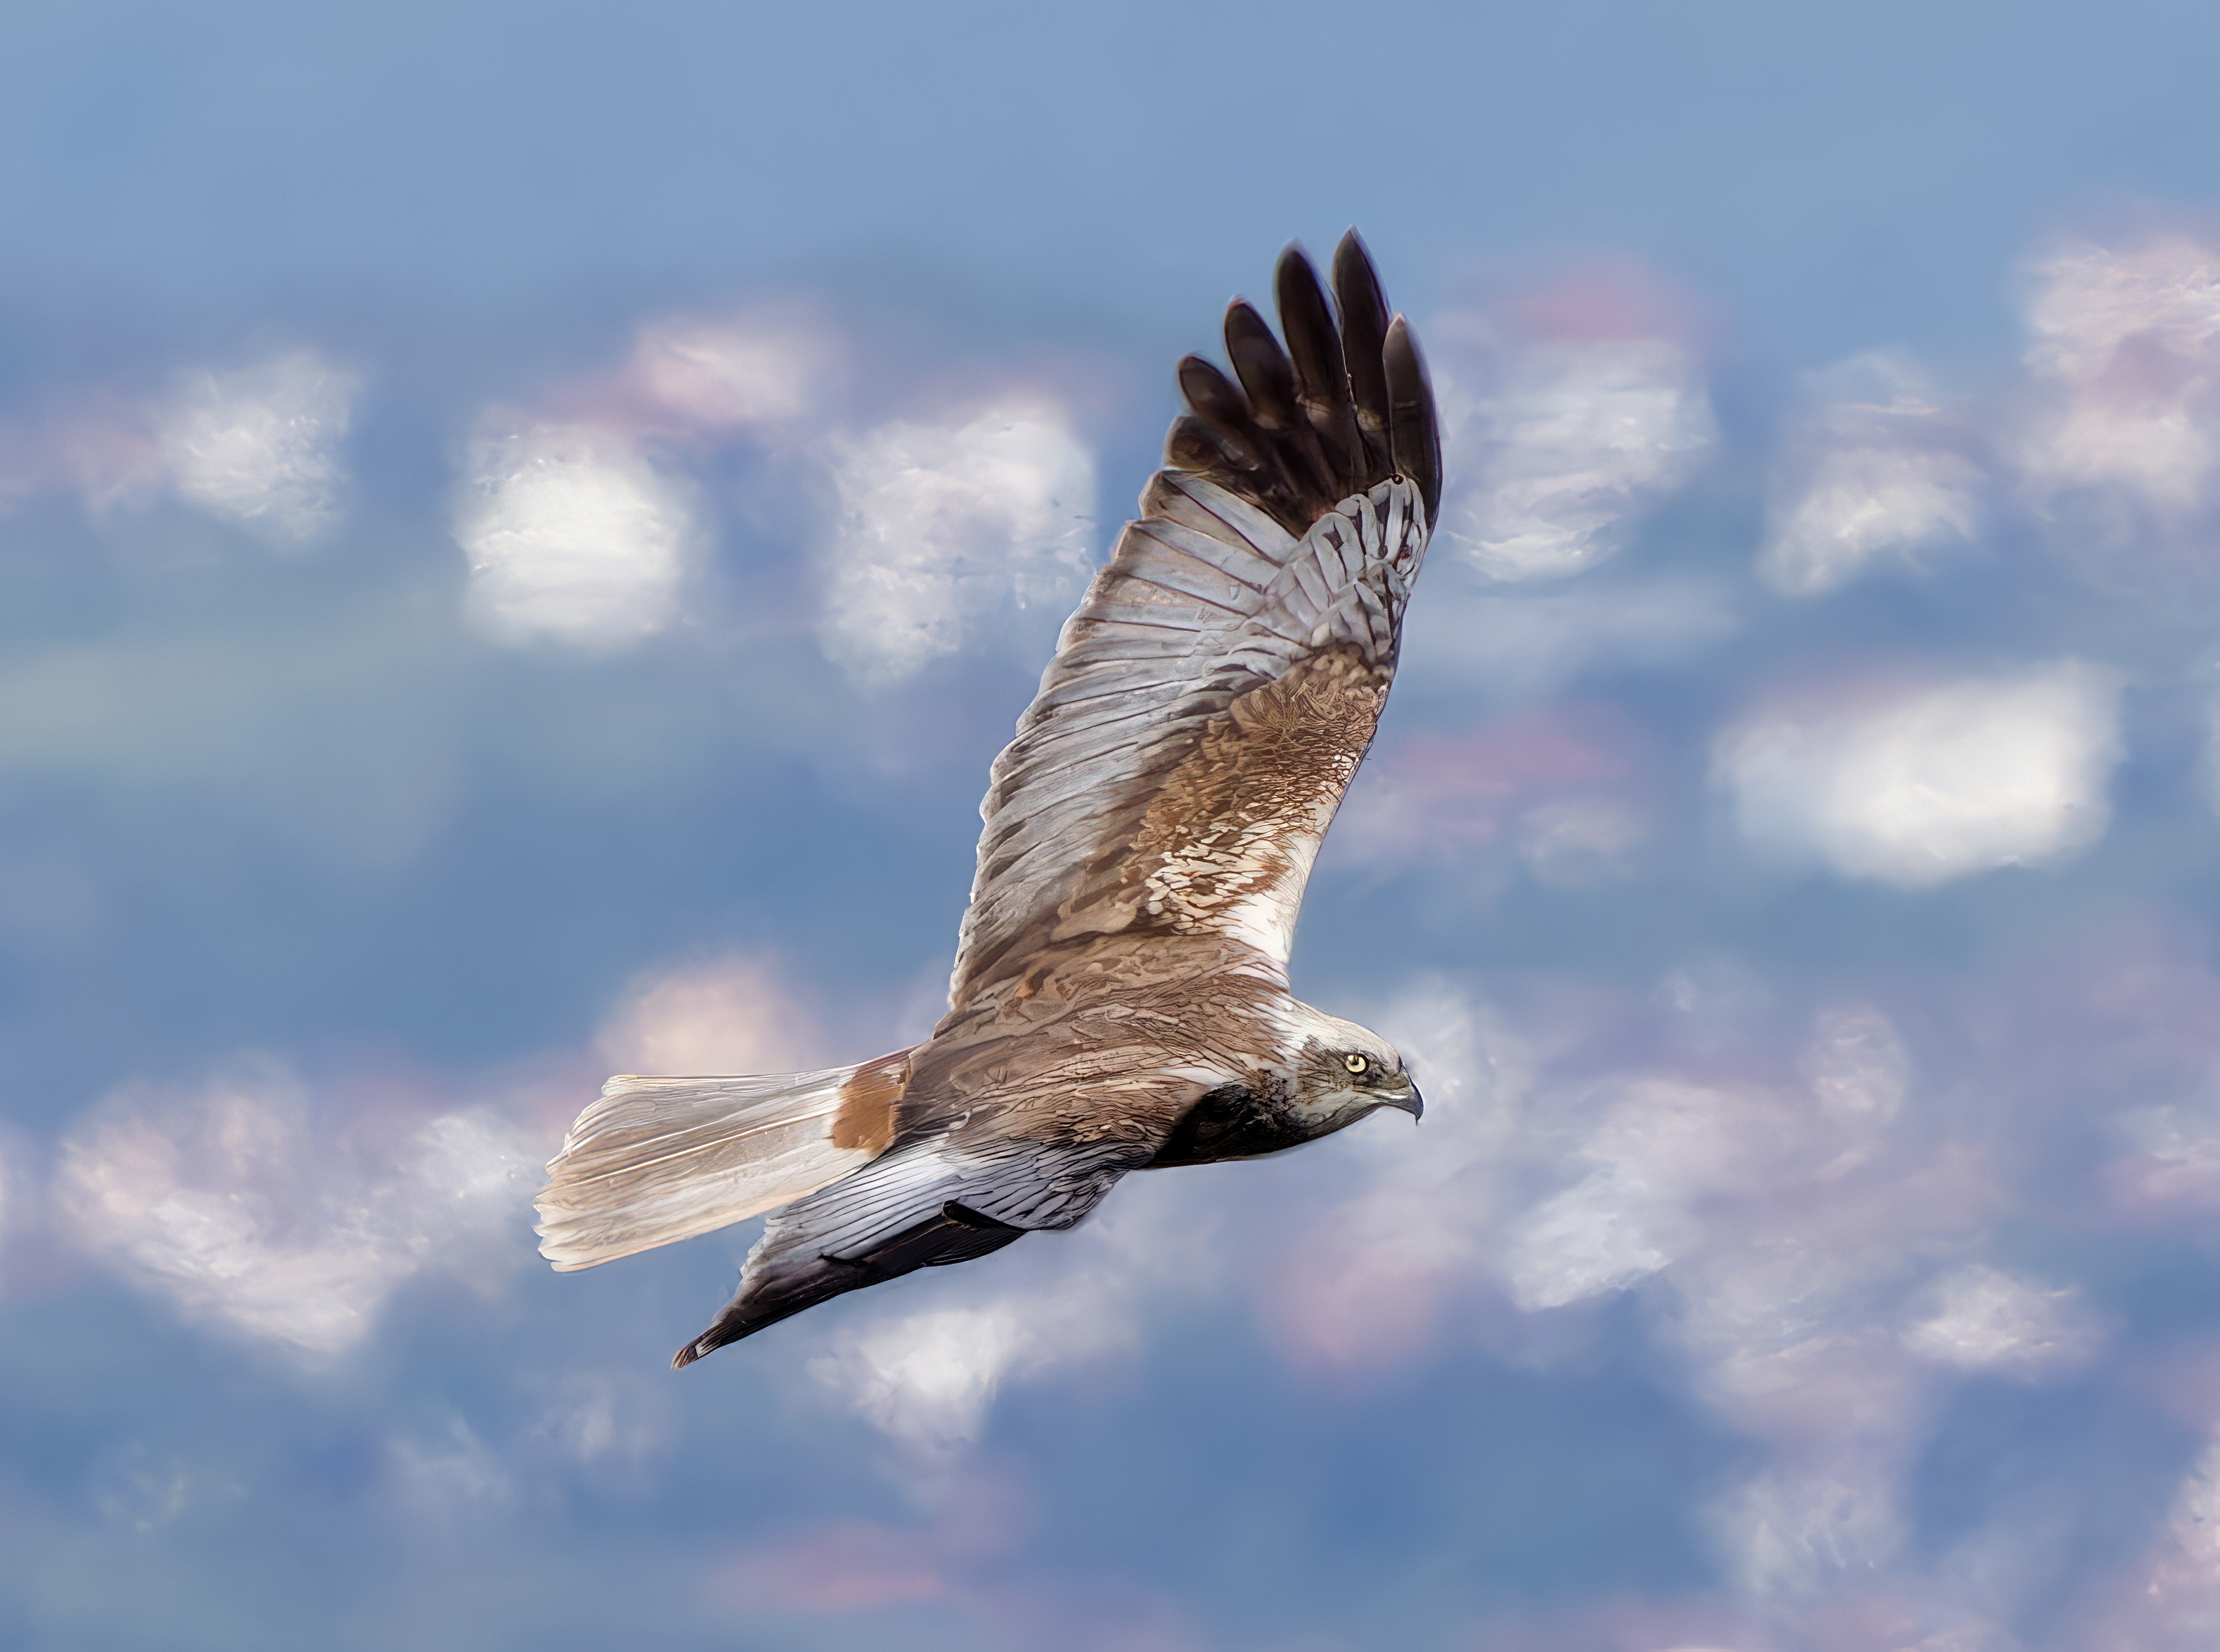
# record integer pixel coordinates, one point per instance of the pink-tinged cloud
(756, 374)
(1557, 787)
(959, 1559)
(256, 1208)
(846, 1566)
(759, 370)
(2125, 343)
(104, 448)
(261, 446)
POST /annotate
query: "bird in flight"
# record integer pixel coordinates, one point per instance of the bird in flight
(1120, 1000)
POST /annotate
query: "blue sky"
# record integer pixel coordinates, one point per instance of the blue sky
(521, 530)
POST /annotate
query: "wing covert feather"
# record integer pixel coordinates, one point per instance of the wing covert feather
(1212, 697)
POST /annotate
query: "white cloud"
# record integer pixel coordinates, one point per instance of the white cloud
(1793, 1527)
(1978, 1320)
(1574, 439)
(1932, 784)
(1659, 1145)
(944, 527)
(729, 1014)
(259, 445)
(572, 534)
(928, 1377)
(237, 1204)
(1886, 475)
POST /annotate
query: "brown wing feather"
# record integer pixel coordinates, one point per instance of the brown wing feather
(1211, 699)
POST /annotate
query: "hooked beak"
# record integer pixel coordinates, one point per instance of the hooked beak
(1414, 1104)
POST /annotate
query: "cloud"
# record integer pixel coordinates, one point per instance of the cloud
(259, 445)
(943, 526)
(583, 524)
(1880, 474)
(1978, 1320)
(758, 372)
(580, 520)
(1552, 785)
(573, 535)
(954, 1568)
(241, 1205)
(927, 1377)
(1818, 1224)
(1920, 785)
(2167, 1597)
(2174, 1169)
(1792, 1527)
(1566, 416)
(2124, 350)
(730, 1014)
(1798, 1224)
(451, 1479)
(1364, 1284)
(10, 1200)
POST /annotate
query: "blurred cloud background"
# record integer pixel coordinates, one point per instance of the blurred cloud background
(523, 527)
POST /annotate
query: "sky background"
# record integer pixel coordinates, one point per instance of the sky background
(523, 527)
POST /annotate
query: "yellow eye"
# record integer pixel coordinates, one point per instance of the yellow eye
(1356, 1063)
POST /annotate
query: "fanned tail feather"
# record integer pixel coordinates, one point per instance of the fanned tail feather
(657, 1160)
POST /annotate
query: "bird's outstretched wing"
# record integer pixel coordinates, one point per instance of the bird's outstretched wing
(1211, 699)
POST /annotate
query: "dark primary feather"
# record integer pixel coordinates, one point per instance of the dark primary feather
(1321, 372)
(1415, 444)
(1363, 337)
(1330, 416)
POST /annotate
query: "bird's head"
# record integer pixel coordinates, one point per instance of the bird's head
(1342, 1071)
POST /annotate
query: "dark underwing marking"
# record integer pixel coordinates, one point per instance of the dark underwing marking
(1231, 1122)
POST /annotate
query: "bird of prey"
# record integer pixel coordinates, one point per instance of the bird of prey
(1120, 1000)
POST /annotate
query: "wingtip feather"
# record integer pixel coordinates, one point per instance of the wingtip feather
(1414, 439)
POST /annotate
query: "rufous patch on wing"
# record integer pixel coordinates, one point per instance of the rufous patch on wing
(865, 1117)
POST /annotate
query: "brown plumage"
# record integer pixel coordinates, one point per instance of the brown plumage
(1120, 1000)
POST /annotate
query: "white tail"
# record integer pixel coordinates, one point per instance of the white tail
(657, 1160)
